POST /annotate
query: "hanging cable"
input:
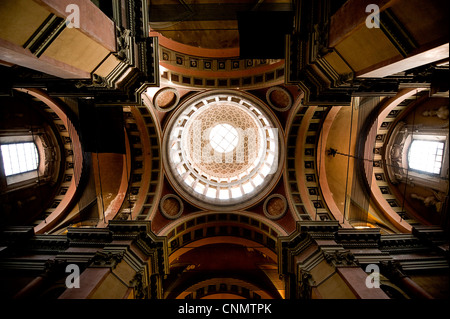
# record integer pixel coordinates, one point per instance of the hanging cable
(333, 152)
(101, 189)
(98, 168)
(128, 180)
(348, 166)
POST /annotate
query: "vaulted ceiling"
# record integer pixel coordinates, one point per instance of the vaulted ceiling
(334, 126)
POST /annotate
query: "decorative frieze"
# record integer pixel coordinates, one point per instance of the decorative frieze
(125, 46)
(97, 81)
(404, 243)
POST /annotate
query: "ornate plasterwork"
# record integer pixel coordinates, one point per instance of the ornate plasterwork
(107, 259)
(340, 258)
(220, 113)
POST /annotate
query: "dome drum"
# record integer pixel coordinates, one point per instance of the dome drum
(223, 148)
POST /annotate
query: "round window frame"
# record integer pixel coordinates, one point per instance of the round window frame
(163, 211)
(272, 104)
(280, 215)
(246, 200)
(170, 107)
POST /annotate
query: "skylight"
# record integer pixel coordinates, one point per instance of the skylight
(19, 158)
(223, 138)
(426, 156)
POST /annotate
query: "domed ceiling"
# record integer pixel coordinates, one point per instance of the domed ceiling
(222, 149)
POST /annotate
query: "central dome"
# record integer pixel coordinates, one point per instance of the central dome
(222, 149)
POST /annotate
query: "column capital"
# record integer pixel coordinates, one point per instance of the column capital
(392, 269)
(340, 258)
(140, 285)
(107, 259)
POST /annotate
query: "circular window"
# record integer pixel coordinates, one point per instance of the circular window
(222, 149)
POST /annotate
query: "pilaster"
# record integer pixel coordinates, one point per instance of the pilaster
(126, 266)
(320, 267)
(123, 260)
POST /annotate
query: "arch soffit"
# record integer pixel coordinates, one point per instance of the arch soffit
(229, 239)
(386, 107)
(66, 202)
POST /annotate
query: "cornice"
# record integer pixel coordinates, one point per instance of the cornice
(356, 238)
(94, 237)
